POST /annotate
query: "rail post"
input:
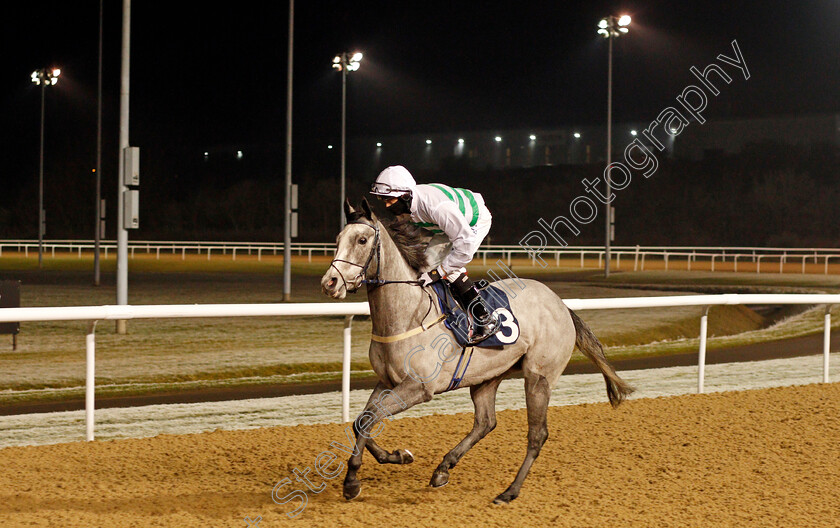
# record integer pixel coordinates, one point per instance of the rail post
(345, 370)
(826, 341)
(701, 360)
(90, 369)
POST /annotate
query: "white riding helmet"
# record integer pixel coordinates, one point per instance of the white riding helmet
(394, 181)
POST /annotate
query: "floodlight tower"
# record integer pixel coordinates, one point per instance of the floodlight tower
(344, 62)
(43, 78)
(610, 28)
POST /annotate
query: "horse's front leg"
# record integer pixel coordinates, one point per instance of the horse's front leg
(369, 424)
(383, 456)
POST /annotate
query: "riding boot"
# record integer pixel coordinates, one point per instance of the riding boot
(468, 295)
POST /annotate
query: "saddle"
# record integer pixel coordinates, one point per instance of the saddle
(461, 324)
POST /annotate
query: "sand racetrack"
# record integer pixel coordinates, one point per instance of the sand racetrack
(754, 458)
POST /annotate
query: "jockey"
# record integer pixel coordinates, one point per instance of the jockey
(458, 221)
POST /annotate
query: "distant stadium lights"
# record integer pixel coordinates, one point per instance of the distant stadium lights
(428, 141)
(358, 56)
(613, 26)
(329, 147)
(344, 61)
(577, 135)
(46, 76)
(633, 132)
(379, 145)
(460, 141)
(43, 78)
(610, 28)
(532, 137)
(498, 139)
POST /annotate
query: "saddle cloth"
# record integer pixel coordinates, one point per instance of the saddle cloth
(457, 320)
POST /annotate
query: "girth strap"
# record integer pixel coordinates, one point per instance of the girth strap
(405, 335)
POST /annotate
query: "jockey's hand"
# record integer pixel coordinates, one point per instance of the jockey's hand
(430, 276)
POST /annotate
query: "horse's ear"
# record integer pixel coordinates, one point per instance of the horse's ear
(367, 210)
(348, 209)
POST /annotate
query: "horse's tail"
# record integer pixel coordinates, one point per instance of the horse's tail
(585, 340)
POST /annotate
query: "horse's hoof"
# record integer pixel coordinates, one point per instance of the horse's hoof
(405, 456)
(352, 490)
(504, 498)
(439, 479)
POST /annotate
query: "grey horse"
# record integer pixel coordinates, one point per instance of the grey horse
(412, 354)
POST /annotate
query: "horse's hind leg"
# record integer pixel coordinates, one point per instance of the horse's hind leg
(537, 395)
(400, 456)
(484, 399)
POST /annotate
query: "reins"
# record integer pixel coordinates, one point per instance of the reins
(376, 281)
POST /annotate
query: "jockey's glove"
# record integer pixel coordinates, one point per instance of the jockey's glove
(430, 276)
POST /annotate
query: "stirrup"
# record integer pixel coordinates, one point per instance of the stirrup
(485, 329)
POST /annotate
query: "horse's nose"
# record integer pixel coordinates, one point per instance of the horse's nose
(332, 282)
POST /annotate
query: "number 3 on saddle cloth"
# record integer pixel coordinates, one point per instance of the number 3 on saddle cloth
(496, 301)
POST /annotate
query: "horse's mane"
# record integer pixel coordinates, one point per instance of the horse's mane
(410, 241)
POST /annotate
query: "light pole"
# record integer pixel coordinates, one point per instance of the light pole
(344, 63)
(98, 221)
(610, 28)
(287, 205)
(43, 78)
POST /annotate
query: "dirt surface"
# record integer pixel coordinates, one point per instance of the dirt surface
(753, 458)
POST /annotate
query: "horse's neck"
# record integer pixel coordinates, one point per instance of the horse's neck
(395, 307)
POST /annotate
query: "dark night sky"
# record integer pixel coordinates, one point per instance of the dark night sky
(204, 76)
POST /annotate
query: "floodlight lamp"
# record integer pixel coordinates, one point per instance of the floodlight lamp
(623, 29)
(353, 66)
(53, 80)
(498, 139)
(603, 23)
(633, 132)
(577, 135)
(56, 72)
(532, 137)
(604, 33)
(624, 20)
(379, 144)
(356, 57)
(428, 141)
(460, 141)
(337, 59)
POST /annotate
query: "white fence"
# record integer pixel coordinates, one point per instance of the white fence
(349, 310)
(775, 258)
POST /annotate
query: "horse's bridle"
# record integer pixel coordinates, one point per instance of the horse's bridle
(376, 249)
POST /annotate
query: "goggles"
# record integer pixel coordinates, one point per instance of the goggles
(384, 189)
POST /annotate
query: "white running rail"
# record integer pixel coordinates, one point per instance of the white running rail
(775, 259)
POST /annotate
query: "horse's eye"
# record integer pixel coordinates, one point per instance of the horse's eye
(363, 240)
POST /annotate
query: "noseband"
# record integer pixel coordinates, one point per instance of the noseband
(376, 281)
